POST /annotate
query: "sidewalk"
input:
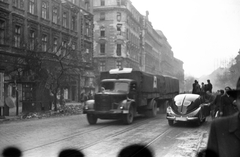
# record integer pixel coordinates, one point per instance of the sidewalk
(70, 108)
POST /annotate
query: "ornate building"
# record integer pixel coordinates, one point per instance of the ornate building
(45, 29)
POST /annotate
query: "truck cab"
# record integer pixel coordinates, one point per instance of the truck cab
(115, 100)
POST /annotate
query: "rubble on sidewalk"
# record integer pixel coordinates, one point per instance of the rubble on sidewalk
(65, 110)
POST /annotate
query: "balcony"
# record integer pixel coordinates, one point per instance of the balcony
(119, 39)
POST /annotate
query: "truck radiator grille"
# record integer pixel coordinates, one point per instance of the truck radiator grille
(103, 103)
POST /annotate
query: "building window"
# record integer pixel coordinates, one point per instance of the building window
(102, 66)
(64, 19)
(119, 64)
(119, 26)
(55, 15)
(102, 2)
(17, 36)
(127, 35)
(32, 40)
(18, 4)
(32, 6)
(44, 43)
(102, 32)
(102, 16)
(102, 48)
(87, 5)
(118, 2)
(73, 1)
(55, 45)
(118, 16)
(74, 46)
(2, 31)
(87, 28)
(44, 10)
(119, 50)
(73, 25)
(64, 48)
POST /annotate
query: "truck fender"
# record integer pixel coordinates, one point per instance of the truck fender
(127, 103)
(89, 104)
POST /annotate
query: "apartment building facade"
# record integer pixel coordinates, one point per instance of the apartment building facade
(125, 38)
(46, 27)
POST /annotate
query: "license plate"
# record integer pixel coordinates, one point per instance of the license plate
(181, 119)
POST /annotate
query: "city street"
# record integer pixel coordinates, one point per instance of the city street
(46, 137)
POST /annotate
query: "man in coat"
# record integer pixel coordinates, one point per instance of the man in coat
(224, 137)
(209, 86)
(227, 103)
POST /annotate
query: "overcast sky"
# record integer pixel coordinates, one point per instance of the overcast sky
(204, 34)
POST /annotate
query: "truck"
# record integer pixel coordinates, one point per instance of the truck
(125, 93)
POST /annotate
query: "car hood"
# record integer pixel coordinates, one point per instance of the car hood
(186, 103)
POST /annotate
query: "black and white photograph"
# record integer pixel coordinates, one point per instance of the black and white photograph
(119, 78)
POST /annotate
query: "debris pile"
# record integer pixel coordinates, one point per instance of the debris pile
(65, 110)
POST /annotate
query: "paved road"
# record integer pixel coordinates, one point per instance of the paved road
(46, 137)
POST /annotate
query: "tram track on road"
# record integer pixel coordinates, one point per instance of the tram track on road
(82, 133)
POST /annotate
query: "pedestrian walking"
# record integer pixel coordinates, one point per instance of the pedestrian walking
(227, 103)
(224, 136)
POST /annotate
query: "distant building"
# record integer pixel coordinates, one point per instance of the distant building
(41, 28)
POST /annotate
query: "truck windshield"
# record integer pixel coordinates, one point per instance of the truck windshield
(121, 87)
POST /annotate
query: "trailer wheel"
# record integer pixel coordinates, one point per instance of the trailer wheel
(128, 118)
(92, 119)
(153, 111)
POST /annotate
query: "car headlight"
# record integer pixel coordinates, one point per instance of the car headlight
(169, 110)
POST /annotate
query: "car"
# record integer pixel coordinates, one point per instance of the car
(188, 107)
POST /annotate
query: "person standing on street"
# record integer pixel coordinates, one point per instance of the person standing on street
(196, 88)
(216, 105)
(227, 103)
(209, 86)
(224, 136)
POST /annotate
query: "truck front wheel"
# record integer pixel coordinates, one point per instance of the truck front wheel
(92, 119)
(128, 118)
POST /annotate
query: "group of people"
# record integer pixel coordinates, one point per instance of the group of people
(197, 89)
(224, 136)
(221, 104)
